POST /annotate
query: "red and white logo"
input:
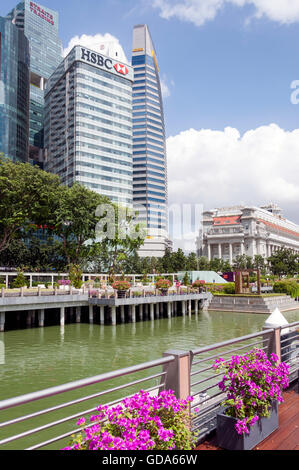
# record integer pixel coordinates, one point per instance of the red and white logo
(121, 69)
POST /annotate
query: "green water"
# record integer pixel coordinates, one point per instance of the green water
(34, 359)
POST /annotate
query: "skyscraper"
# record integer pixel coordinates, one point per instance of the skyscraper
(14, 92)
(40, 26)
(149, 150)
(88, 123)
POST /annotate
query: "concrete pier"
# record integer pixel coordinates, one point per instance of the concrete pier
(41, 318)
(113, 315)
(90, 314)
(72, 306)
(102, 314)
(78, 314)
(62, 316)
(152, 312)
(2, 321)
(133, 314)
(122, 314)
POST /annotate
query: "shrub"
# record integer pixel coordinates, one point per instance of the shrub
(20, 281)
(121, 285)
(251, 383)
(287, 286)
(141, 422)
(198, 283)
(229, 288)
(163, 284)
(75, 275)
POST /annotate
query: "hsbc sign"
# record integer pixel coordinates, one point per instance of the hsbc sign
(105, 62)
(120, 68)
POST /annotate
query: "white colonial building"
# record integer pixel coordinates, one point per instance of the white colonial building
(232, 231)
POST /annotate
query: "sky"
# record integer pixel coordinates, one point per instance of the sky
(230, 79)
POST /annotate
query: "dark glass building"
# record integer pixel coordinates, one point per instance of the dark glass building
(40, 26)
(14, 92)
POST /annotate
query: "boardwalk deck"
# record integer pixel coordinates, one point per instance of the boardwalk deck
(286, 437)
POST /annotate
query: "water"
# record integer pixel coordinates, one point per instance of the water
(34, 359)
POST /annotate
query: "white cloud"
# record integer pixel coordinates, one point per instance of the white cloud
(165, 89)
(200, 11)
(102, 43)
(223, 168)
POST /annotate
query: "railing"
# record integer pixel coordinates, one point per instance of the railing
(96, 292)
(158, 380)
(185, 372)
(204, 381)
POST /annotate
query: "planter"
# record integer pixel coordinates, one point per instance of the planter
(64, 287)
(164, 291)
(228, 438)
(121, 294)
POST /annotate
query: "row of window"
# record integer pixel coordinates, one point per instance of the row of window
(105, 84)
(103, 121)
(104, 130)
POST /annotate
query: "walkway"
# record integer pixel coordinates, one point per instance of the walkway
(286, 437)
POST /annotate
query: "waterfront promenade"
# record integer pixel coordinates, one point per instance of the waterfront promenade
(71, 304)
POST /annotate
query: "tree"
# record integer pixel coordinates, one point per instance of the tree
(284, 262)
(76, 222)
(120, 235)
(28, 198)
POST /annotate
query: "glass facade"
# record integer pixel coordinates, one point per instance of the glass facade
(40, 26)
(14, 92)
(149, 151)
(88, 124)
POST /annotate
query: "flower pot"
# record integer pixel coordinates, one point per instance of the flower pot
(121, 294)
(228, 438)
(164, 291)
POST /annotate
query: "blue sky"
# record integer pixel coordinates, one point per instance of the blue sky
(228, 65)
(223, 73)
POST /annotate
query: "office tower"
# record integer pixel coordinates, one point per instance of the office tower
(149, 152)
(14, 92)
(88, 123)
(40, 26)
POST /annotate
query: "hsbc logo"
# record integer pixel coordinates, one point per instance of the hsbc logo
(102, 61)
(121, 69)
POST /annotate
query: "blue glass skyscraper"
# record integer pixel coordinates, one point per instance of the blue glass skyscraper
(14, 92)
(149, 150)
(40, 26)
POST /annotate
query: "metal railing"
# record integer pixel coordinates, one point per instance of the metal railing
(205, 391)
(204, 381)
(157, 380)
(185, 372)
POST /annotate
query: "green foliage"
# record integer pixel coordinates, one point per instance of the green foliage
(75, 276)
(186, 280)
(287, 286)
(229, 288)
(20, 281)
(284, 262)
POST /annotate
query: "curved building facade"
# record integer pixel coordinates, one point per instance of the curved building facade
(14, 92)
(149, 149)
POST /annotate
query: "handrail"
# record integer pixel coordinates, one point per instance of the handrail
(48, 392)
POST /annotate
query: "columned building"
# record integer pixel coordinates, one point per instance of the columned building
(14, 92)
(234, 231)
(149, 149)
(88, 124)
(40, 26)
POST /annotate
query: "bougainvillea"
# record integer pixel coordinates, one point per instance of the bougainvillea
(251, 382)
(141, 422)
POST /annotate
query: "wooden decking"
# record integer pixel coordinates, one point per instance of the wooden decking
(286, 437)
